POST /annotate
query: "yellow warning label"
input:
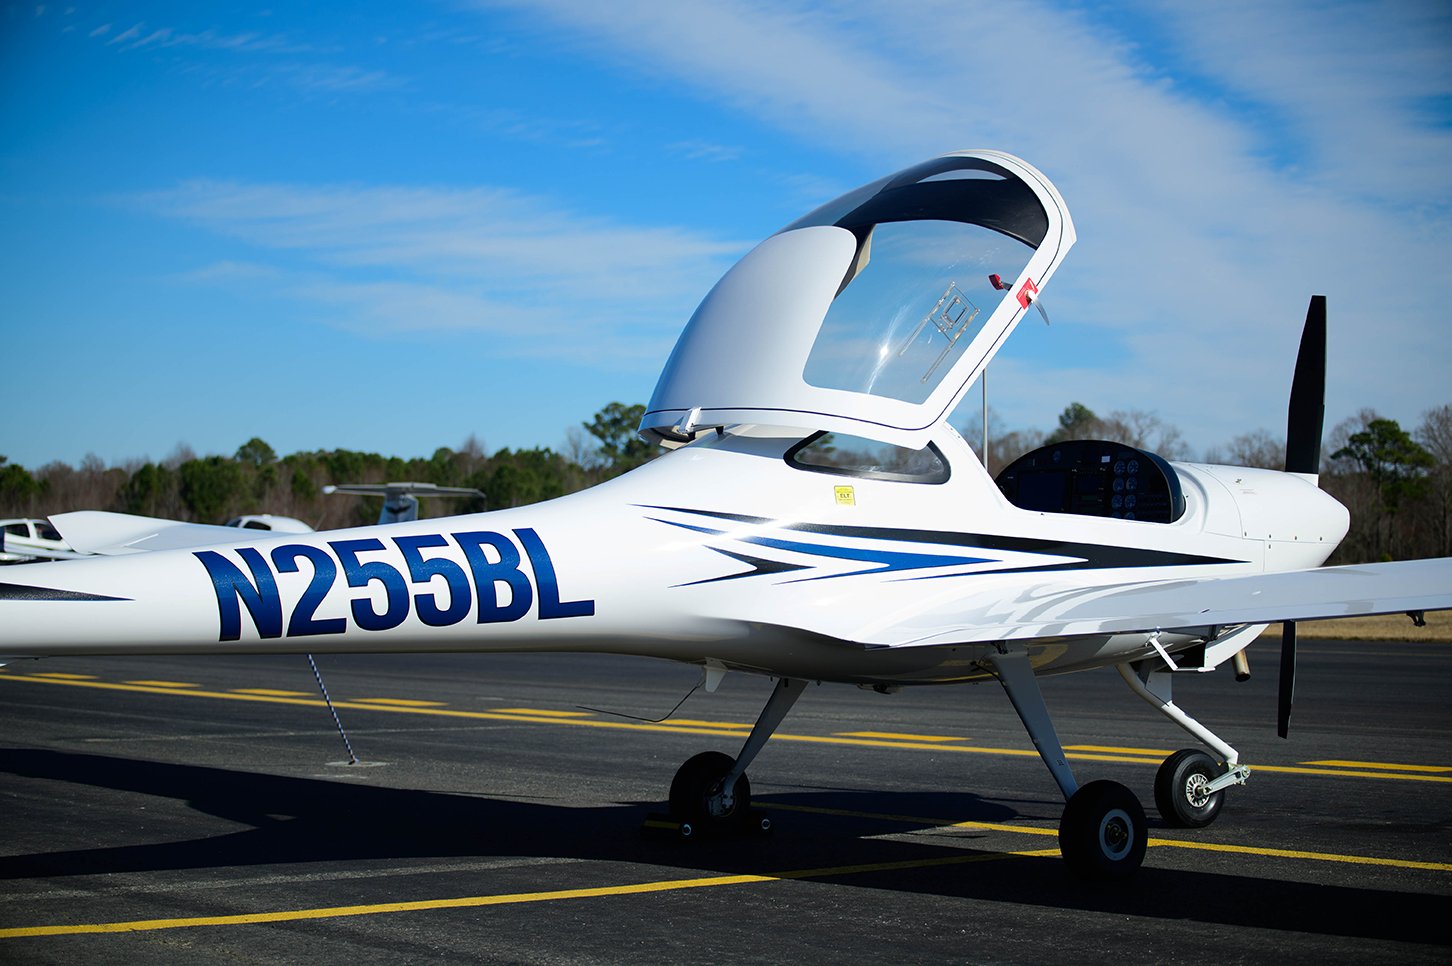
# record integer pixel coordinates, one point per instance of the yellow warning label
(846, 496)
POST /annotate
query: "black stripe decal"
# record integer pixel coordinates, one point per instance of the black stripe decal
(23, 592)
(758, 566)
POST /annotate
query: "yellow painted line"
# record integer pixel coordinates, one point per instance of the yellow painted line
(1312, 856)
(693, 723)
(1350, 773)
(893, 735)
(401, 702)
(66, 677)
(907, 819)
(164, 684)
(271, 693)
(474, 902)
(335, 912)
(1163, 843)
(679, 726)
(1378, 764)
(1158, 752)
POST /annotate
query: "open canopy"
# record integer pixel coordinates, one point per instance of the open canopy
(873, 314)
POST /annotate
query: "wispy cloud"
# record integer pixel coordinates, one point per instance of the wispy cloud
(392, 261)
(139, 35)
(698, 150)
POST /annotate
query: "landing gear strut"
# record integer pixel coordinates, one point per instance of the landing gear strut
(1189, 787)
(710, 792)
(1103, 832)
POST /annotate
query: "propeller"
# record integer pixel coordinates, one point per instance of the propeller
(1307, 410)
(1288, 678)
(1304, 418)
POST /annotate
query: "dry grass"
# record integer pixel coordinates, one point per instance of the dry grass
(1388, 627)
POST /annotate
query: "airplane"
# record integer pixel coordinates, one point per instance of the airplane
(816, 518)
(24, 540)
(400, 500)
(269, 521)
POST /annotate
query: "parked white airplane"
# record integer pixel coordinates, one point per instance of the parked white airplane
(819, 520)
(25, 540)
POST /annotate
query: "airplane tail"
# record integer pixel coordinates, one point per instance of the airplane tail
(1307, 410)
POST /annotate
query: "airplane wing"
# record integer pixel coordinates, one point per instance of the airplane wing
(111, 534)
(1191, 604)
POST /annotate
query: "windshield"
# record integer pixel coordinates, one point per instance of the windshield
(919, 296)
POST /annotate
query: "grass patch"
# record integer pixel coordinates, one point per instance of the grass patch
(1386, 627)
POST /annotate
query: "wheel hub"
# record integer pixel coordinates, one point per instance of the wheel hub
(1116, 834)
(1195, 790)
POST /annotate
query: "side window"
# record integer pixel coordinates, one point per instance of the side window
(45, 531)
(17, 529)
(867, 458)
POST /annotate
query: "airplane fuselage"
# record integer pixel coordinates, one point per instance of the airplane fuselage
(721, 552)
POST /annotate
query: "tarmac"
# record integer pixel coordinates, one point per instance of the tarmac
(182, 809)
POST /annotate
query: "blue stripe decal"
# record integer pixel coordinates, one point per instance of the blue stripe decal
(888, 561)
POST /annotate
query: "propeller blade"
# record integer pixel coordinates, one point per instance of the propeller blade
(1307, 410)
(1288, 678)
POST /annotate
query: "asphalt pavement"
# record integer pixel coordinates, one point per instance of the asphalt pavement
(185, 809)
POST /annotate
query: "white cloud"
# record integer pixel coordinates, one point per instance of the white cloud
(1294, 155)
(390, 261)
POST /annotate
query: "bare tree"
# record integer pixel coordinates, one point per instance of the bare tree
(1435, 434)
(1256, 448)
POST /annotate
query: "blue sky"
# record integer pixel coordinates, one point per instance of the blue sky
(389, 226)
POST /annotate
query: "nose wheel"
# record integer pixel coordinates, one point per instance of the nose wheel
(1183, 791)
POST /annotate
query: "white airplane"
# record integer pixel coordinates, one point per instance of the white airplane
(817, 519)
(25, 540)
(269, 521)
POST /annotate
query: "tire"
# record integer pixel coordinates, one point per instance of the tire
(695, 798)
(1178, 789)
(1103, 832)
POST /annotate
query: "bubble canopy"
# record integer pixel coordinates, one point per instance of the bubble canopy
(874, 313)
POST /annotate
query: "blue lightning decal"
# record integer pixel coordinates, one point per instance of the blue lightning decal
(886, 561)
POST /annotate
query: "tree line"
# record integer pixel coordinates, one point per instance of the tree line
(1397, 484)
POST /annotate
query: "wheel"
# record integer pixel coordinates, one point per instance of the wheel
(1102, 834)
(1180, 789)
(696, 794)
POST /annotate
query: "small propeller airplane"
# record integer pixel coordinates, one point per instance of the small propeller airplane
(815, 519)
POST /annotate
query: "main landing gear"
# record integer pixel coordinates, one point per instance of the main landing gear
(1103, 832)
(711, 793)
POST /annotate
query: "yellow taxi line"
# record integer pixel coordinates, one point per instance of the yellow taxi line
(1377, 764)
(680, 726)
(473, 902)
(1156, 842)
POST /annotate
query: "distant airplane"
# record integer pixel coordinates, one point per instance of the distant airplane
(817, 519)
(400, 500)
(269, 521)
(26, 540)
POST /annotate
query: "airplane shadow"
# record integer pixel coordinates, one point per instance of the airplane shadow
(312, 820)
